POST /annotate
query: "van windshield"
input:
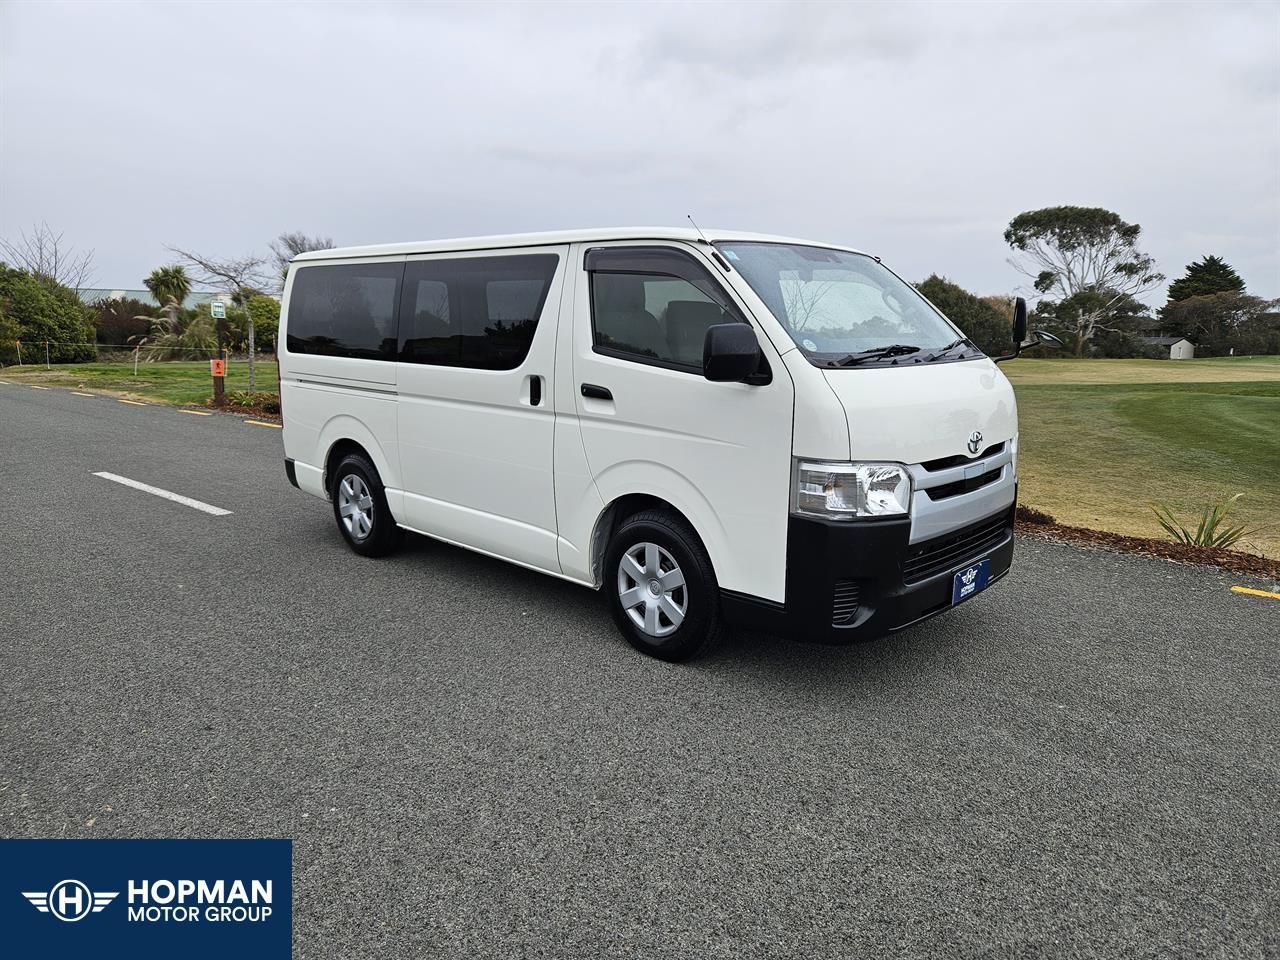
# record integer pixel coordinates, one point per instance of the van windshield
(844, 309)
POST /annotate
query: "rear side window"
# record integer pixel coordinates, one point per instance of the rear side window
(479, 312)
(345, 310)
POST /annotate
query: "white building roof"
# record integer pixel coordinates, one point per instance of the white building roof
(595, 235)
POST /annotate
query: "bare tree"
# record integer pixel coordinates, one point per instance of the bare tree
(242, 277)
(46, 257)
(288, 245)
(801, 300)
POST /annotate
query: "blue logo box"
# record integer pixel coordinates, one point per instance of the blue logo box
(147, 898)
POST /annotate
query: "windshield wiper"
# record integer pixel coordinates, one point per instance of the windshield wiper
(879, 353)
(943, 351)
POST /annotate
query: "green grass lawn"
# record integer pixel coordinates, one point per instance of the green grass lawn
(177, 382)
(1103, 439)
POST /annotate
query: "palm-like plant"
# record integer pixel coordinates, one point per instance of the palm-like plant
(170, 286)
(1212, 529)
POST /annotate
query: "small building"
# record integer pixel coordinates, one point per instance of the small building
(1179, 348)
(91, 295)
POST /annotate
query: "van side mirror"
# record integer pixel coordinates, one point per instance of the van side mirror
(1019, 322)
(1038, 337)
(730, 352)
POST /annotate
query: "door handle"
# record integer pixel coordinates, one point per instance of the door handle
(535, 390)
(596, 393)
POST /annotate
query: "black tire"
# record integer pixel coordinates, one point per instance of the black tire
(701, 624)
(382, 536)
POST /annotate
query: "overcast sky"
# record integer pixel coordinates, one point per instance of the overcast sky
(913, 131)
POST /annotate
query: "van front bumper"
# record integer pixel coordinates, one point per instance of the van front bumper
(856, 581)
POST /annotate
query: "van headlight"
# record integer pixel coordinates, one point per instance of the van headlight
(846, 491)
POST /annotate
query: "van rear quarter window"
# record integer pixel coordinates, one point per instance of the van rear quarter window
(477, 312)
(345, 310)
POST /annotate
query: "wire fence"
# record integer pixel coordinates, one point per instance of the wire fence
(46, 353)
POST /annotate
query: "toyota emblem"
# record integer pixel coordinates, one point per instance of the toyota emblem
(975, 442)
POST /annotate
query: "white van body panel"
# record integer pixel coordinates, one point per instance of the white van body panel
(718, 452)
(918, 412)
(335, 398)
(477, 453)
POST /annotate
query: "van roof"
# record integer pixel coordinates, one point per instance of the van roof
(597, 234)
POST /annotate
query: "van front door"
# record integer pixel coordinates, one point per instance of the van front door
(720, 453)
(476, 358)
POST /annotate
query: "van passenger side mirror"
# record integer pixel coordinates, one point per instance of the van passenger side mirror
(1019, 322)
(730, 352)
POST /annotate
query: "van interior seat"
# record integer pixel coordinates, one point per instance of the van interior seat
(687, 323)
(621, 315)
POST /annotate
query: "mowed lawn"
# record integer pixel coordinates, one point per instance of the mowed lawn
(176, 382)
(1103, 439)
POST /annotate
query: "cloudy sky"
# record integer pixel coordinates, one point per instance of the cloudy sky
(914, 131)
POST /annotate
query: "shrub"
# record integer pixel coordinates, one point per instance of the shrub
(1210, 531)
(266, 402)
(122, 321)
(982, 322)
(43, 311)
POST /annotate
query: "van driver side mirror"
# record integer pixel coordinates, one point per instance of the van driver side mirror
(731, 353)
(1019, 322)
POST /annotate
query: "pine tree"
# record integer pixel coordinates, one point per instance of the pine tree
(1204, 277)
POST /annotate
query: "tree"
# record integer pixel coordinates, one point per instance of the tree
(46, 312)
(288, 245)
(241, 277)
(170, 286)
(266, 320)
(1223, 323)
(1084, 258)
(990, 328)
(1204, 277)
(48, 259)
(1127, 316)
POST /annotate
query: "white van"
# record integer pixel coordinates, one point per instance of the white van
(729, 428)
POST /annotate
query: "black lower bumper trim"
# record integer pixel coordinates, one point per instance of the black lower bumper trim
(290, 471)
(857, 581)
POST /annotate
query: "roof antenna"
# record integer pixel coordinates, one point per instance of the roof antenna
(699, 229)
(715, 254)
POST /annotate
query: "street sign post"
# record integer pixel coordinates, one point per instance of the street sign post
(218, 367)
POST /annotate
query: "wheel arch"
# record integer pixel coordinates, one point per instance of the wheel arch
(616, 512)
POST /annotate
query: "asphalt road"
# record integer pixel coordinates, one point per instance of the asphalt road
(472, 763)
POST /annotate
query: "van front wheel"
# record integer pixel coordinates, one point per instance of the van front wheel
(360, 507)
(661, 586)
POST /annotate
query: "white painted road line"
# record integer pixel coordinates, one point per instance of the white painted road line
(263, 423)
(79, 394)
(197, 413)
(35, 387)
(168, 495)
(136, 403)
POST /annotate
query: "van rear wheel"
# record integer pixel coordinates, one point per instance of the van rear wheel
(662, 588)
(360, 507)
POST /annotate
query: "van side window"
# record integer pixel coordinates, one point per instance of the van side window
(344, 310)
(654, 304)
(478, 312)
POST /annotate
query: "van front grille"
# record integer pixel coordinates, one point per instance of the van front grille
(964, 486)
(931, 557)
(844, 607)
(945, 463)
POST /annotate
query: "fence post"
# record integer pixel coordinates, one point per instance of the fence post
(46, 355)
(19, 343)
(135, 359)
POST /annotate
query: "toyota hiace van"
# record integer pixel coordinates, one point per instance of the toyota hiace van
(713, 429)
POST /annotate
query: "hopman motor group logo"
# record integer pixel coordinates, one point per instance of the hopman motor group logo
(70, 900)
(162, 901)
